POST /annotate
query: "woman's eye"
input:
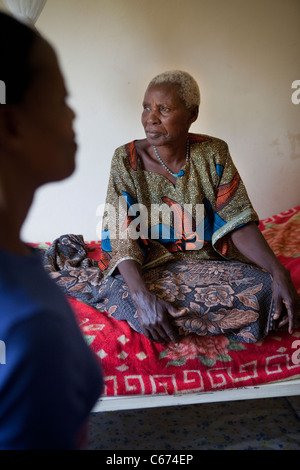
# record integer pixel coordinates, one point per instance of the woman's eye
(164, 109)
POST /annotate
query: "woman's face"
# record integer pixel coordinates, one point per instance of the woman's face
(47, 152)
(165, 118)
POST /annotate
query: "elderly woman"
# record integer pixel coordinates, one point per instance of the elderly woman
(190, 275)
(50, 380)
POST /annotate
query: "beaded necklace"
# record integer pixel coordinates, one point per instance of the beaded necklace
(181, 173)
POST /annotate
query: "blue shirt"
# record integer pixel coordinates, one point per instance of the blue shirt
(49, 378)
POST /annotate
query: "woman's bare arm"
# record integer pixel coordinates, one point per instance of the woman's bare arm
(251, 243)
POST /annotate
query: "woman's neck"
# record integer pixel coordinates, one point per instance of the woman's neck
(173, 154)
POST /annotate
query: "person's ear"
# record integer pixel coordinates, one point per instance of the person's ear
(194, 111)
(9, 126)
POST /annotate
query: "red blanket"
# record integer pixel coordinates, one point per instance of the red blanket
(134, 365)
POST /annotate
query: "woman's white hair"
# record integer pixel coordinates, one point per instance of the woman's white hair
(188, 87)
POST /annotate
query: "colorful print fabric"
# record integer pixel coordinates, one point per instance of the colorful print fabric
(210, 181)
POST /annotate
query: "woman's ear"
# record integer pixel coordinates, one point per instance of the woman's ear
(194, 111)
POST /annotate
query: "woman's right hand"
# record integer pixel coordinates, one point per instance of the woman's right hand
(155, 317)
(154, 313)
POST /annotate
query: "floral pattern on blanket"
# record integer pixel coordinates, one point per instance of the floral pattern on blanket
(208, 349)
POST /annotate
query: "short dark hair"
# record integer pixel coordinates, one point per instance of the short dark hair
(16, 71)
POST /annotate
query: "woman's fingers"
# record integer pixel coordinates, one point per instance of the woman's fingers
(286, 301)
(160, 327)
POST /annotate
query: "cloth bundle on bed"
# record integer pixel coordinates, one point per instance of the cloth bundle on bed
(134, 365)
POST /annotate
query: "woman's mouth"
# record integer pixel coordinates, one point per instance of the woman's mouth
(153, 134)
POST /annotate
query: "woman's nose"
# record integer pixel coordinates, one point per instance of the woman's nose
(153, 117)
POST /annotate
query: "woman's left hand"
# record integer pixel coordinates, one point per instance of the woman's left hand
(286, 300)
(251, 243)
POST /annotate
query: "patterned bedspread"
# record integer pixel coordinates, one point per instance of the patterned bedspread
(134, 365)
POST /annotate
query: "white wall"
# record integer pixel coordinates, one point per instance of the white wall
(245, 56)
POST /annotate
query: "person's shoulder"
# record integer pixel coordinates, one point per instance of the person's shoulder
(205, 140)
(211, 149)
(124, 149)
(126, 154)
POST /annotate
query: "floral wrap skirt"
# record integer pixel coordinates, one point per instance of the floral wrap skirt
(212, 297)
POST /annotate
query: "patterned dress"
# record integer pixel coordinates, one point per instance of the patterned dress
(180, 235)
(210, 181)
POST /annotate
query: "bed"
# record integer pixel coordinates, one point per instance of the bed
(140, 374)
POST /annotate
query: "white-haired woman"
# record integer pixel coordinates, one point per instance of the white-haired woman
(188, 275)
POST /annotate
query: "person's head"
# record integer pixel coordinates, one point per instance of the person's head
(187, 87)
(171, 105)
(36, 124)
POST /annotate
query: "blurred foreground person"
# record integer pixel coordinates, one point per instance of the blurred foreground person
(49, 379)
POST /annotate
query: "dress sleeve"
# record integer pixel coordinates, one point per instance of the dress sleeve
(233, 208)
(119, 240)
